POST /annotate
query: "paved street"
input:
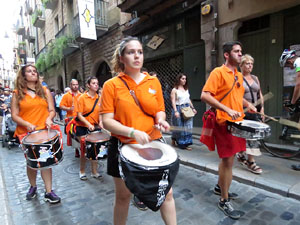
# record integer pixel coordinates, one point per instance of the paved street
(91, 202)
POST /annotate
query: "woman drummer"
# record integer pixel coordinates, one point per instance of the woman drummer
(130, 125)
(88, 123)
(33, 109)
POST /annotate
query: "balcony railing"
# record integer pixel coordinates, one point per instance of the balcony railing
(65, 31)
(38, 17)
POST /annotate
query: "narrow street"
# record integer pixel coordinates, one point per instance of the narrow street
(91, 202)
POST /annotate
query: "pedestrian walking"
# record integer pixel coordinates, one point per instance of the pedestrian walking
(33, 109)
(88, 120)
(58, 98)
(226, 81)
(252, 94)
(180, 98)
(69, 103)
(128, 123)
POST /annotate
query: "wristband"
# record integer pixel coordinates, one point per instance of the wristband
(131, 133)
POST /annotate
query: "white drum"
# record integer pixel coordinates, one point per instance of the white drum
(149, 171)
(249, 129)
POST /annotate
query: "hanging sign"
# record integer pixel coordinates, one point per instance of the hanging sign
(155, 42)
(86, 10)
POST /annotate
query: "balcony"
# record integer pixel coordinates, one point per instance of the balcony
(50, 4)
(100, 21)
(30, 36)
(20, 30)
(67, 31)
(22, 50)
(38, 17)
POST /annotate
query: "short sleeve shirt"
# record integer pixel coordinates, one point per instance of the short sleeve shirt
(116, 99)
(219, 82)
(85, 105)
(69, 100)
(297, 64)
(34, 110)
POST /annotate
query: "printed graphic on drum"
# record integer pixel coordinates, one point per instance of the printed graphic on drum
(95, 143)
(42, 149)
(149, 171)
(249, 129)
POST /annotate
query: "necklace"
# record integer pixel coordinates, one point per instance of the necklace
(31, 89)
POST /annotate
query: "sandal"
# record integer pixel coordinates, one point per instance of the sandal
(254, 168)
(242, 159)
(188, 148)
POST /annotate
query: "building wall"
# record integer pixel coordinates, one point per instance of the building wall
(232, 10)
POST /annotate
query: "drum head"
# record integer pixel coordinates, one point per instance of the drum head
(40, 136)
(97, 136)
(154, 153)
(253, 124)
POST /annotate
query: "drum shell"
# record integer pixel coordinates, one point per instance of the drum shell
(249, 133)
(93, 149)
(32, 152)
(144, 181)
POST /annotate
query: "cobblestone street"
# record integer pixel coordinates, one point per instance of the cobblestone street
(91, 202)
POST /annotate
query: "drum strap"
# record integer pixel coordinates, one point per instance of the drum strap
(87, 114)
(135, 98)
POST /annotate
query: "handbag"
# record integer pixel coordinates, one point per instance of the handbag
(187, 112)
(209, 119)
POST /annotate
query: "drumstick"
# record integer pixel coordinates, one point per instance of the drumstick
(195, 130)
(270, 117)
(289, 123)
(266, 97)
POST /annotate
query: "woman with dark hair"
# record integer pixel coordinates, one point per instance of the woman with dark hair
(33, 109)
(128, 124)
(88, 123)
(180, 97)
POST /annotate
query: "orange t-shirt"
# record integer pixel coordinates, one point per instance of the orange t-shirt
(34, 110)
(219, 82)
(117, 99)
(85, 105)
(68, 100)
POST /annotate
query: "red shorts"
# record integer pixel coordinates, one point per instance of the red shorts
(227, 144)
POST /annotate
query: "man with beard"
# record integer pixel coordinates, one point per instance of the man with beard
(224, 91)
(69, 103)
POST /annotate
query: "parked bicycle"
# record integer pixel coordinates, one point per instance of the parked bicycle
(284, 141)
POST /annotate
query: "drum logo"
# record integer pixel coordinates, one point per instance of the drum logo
(44, 154)
(162, 187)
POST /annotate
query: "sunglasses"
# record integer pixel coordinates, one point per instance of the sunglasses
(237, 83)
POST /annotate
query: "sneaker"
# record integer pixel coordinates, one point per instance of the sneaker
(228, 210)
(82, 176)
(137, 203)
(51, 197)
(96, 176)
(232, 195)
(77, 154)
(31, 194)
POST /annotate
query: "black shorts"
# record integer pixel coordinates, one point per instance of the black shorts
(113, 157)
(81, 131)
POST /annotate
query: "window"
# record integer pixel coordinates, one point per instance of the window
(56, 25)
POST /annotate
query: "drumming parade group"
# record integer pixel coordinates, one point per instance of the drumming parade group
(128, 119)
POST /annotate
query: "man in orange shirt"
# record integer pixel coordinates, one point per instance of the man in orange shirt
(219, 83)
(69, 103)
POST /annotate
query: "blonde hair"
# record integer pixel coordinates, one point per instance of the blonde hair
(116, 63)
(245, 58)
(21, 84)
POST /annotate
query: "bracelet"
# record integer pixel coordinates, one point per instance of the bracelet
(131, 133)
